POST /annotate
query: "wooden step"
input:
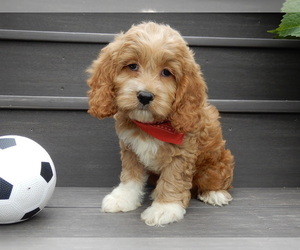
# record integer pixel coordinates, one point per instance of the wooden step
(74, 213)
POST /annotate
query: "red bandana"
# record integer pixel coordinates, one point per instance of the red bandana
(162, 131)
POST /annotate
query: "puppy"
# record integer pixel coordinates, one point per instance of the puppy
(147, 78)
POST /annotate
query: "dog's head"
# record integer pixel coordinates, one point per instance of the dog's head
(150, 74)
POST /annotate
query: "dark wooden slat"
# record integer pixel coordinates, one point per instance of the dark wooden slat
(58, 69)
(243, 25)
(85, 150)
(81, 103)
(54, 36)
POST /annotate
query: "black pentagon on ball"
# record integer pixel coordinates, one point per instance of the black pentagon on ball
(30, 214)
(46, 171)
(5, 189)
(7, 143)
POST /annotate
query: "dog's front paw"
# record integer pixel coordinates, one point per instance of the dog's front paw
(124, 198)
(159, 214)
(219, 198)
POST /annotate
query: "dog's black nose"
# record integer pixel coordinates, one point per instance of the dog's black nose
(145, 97)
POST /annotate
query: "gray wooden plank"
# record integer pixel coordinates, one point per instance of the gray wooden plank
(243, 218)
(86, 151)
(54, 36)
(259, 198)
(43, 102)
(58, 69)
(45, 69)
(79, 145)
(143, 6)
(256, 106)
(221, 243)
(247, 25)
(81, 103)
(80, 37)
(254, 74)
(260, 144)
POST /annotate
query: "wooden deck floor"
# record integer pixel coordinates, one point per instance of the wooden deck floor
(269, 217)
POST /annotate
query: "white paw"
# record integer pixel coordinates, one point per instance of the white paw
(219, 198)
(124, 198)
(159, 214)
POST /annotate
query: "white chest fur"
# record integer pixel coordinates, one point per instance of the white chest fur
(146, 150)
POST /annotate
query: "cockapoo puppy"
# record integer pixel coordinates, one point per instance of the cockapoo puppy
(147, 78)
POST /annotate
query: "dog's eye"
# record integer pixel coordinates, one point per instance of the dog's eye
(133, 67)
(166, 73)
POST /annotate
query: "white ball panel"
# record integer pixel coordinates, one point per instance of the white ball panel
(20, 165)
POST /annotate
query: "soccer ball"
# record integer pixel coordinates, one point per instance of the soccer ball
(27, 178)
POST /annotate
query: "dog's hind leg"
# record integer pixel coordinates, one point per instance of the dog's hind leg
(214, 177)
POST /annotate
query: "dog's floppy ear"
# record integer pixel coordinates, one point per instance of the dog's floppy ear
(102, 90)
(190, 98)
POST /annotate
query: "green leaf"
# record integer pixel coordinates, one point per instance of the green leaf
(289, 27)
(290, 23)
(291, 6)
